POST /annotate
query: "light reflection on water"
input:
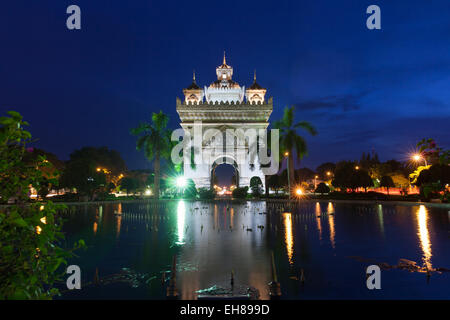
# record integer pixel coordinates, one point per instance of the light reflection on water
(289, 238)
(424, 235)
(319, 223)
(330, 213)
(181, 216)
(212, 239)
(118, 215)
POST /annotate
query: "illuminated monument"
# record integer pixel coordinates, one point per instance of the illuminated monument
(221, 106)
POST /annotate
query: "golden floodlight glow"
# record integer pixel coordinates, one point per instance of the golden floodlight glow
(38, 230)
(286, 154)
(98, 169)
(328, 173)
(357, 167)
(299, 192)
(416, 157)
(44, 220)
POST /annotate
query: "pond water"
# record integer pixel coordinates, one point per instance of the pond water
(130, 246)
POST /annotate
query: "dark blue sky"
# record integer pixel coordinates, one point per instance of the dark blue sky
(364, 90)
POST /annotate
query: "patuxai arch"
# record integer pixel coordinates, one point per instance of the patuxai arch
(217, 115)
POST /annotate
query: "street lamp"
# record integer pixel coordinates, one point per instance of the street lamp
(315, 182)
(417, 157)
(286, 154)
(181, 182)
(357, 168)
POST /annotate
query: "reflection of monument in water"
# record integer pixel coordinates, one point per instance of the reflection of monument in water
(221, 106)
(217, 242)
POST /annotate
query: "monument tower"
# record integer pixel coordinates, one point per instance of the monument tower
(223, 105)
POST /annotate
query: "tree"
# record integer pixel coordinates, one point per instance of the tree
(290, 141)
(400, 181)
(106, 160)
(82, 174)
(361, 179)
(347, 177)
(130, 184)
(434, 177)
(369, 160)
(275, 183)
(396, 166)
(255, 185)
(322, 188)
(387, 182)
(324, 168)
(30, 234)
(343, 175)
(154, 140)
(91, 169)
(437, 173)
(240, 193)
(304, 174)
(429, 149)
(190, 192)
(206, 194)
(32, 158)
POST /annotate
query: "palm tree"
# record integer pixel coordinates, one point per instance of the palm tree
(154, 140)
(290, 140)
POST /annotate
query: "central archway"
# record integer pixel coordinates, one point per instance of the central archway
(225, 160)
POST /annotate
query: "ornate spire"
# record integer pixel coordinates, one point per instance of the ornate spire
(224, 58)
(194, 85)
(255, 85)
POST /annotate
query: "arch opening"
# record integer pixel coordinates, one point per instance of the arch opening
(224, 174)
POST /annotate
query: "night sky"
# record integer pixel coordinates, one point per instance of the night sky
(364, 90)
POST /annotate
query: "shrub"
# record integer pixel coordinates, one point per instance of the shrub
(322, 188)
(30, 257)
(240, 193)
(190, 192)
(256, 186)
(206, 194)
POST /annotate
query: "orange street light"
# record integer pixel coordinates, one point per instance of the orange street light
(417, 157)
(286, 154)
(357, 168)
(328, 173)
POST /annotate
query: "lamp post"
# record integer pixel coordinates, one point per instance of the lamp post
(315, 182)
(286, 154)
(417, 157)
